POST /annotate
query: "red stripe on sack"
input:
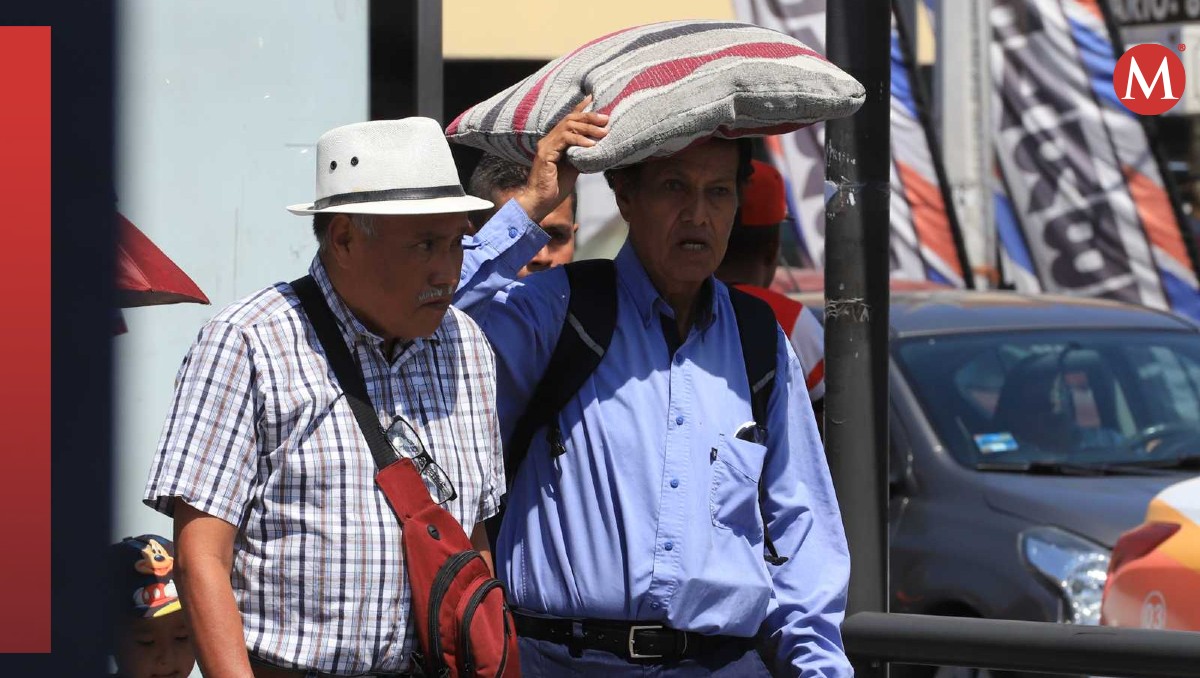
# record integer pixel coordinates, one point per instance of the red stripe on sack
(929, 217)
(668, 72)
(815, 375)
(525, 106)
(1154, 209)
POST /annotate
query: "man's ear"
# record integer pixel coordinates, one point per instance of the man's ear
(623, 193)
(342, 238)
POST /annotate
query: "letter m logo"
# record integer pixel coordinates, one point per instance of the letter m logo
(1149, 79)
(1163, 73)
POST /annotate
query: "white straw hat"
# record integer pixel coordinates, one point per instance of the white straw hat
(388, 167)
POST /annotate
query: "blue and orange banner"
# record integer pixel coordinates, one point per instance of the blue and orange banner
(925, 245)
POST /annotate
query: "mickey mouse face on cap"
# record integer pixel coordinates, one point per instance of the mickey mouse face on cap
(143, 576)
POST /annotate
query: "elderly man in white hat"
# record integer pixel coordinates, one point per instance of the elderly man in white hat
(289, 557)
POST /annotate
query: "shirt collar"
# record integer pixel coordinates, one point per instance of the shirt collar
(351, 327)
(648, 302)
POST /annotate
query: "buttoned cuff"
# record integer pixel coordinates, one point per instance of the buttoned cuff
(510, 238)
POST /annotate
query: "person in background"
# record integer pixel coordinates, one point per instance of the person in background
(498, 180)
(749, 265)
(151, 638)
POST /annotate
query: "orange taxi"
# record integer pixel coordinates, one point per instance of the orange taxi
(1154, 575)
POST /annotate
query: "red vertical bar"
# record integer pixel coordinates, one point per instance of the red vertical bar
(25, 341)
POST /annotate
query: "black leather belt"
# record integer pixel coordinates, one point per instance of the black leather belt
(631, 640)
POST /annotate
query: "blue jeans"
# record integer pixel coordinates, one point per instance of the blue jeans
(543, 658)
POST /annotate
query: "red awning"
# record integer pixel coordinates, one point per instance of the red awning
(146, 276)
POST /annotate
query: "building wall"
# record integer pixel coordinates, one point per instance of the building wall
(546, 29)
(220, 105)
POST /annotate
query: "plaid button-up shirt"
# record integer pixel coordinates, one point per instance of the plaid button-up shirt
(260, 435)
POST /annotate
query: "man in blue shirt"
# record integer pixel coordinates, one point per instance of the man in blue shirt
(642, 546)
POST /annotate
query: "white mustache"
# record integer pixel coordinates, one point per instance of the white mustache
(435, 293)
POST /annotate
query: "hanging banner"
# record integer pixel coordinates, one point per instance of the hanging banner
(1015, 261)
(800, 155)
(1083, 209)
(924, 245)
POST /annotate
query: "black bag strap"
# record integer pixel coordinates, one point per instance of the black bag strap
(758, 330)
(587, 331)
(348, 373)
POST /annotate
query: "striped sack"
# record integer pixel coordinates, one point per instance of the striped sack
(665, 85)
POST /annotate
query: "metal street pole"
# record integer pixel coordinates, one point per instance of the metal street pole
(429, 59)
(857, 171)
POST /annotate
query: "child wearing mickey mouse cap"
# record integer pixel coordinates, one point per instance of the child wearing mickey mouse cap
(151, 638)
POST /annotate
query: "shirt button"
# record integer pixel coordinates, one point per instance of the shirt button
(512, 231)
(679, 420)
(674, 482)
(670, 546)
(678, 359)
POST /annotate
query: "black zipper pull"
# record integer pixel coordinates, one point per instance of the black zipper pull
(712, 455)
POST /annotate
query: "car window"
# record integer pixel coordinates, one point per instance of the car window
(979, 382)
(1172, 373)
(1082, 396)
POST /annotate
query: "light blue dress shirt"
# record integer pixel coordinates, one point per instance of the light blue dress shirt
(652, 513)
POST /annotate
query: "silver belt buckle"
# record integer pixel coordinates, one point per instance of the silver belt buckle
(633, 631)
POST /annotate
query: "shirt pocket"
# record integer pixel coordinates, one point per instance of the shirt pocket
(733, 498)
